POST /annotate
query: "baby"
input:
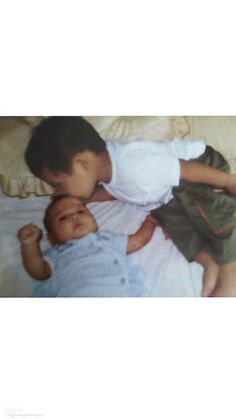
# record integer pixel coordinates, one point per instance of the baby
(82, 262)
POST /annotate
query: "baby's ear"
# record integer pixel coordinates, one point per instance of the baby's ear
(51, 238)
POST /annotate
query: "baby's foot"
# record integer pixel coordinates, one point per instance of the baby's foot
(210, 278)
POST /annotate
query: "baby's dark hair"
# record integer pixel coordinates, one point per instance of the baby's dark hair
(57, 139)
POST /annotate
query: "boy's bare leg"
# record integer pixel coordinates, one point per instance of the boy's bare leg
(210, 274)
(226, 286)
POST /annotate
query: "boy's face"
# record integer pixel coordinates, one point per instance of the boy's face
(69, 219)
(80, 182)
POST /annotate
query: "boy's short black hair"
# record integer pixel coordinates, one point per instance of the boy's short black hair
(55, 141)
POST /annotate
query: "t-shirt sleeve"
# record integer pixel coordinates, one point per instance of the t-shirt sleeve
(50, 257)
(150, 171)
(119, 241)
(185, 149)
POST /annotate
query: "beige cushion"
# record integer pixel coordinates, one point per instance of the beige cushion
(130, 128)
(16, 179)
(217, 131)
(32, 121)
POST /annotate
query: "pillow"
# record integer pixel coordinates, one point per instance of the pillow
(32, 121)
(130, 128)
(17, 180)
(218, 132)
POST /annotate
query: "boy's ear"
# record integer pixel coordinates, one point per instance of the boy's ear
(83, 158)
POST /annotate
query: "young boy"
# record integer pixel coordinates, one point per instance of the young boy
(186, 183)
(83, 262)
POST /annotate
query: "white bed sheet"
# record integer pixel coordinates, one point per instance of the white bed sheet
(172, 275)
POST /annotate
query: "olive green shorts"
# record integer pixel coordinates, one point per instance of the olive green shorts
(201, 216)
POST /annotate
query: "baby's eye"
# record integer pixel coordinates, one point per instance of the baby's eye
(64, 217)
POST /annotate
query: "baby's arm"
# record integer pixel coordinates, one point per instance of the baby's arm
(144, 234)
(201, 173)
(100, 194)
(32, 257)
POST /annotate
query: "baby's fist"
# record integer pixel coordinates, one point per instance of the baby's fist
(28, 234)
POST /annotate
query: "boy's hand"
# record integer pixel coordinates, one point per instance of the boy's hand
(29, 234)
(231, 184)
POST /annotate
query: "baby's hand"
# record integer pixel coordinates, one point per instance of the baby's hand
(231, 184)
(28, 234)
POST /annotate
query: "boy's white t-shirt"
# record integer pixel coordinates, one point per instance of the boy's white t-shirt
(144, 172)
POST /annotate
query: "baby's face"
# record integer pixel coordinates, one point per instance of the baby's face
(70, 219)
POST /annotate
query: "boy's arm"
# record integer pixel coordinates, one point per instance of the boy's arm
(32, 257)
(144, 234)
(200, 173)
(100, 194)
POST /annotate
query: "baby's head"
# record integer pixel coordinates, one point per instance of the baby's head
(65, 151)
(67, 218)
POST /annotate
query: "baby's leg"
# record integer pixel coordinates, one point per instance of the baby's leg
(210, 274)
(226, 286)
